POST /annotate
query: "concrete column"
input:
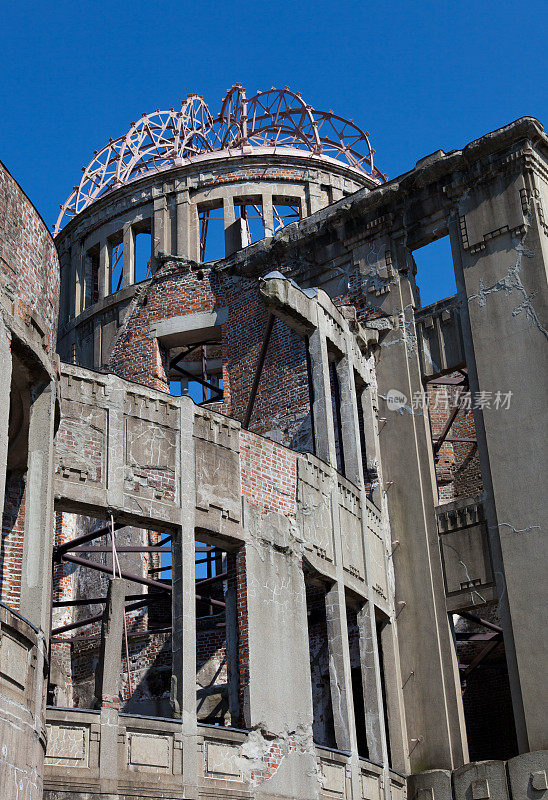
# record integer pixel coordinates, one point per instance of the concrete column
(159, 227)
(315, 198)
(188, 228)
(372, 692)
(431, 686)
(104, 269)
(280, 687)
(107, 674)
(128, 264)
(505, 291)
(350, 426)
(322, 408)
(339, 668)
(39, 520)
(233, 227)
(5, 382)
(107, 682)
(268, 215)
(183, 690)
(395, 706)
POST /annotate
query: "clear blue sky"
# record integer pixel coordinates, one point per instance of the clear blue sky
(419, 76)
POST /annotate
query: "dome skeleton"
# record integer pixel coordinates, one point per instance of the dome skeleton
(277, 118)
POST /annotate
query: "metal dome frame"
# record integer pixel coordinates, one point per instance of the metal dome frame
(274, 119)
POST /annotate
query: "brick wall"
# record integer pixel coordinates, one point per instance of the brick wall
(175, 291)
(458, 470)
(11, 546)
(29, 268)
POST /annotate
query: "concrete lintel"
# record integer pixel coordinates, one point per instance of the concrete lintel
(178, 331)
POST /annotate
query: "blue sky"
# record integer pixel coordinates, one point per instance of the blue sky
(419, 76)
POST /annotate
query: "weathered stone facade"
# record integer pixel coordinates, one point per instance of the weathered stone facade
(315, 558)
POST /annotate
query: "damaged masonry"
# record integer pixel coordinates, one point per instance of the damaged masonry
(271, 527)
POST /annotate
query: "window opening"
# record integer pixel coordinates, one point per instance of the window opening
(380, 625)
(284, 214)
(435, 273)
(252, 216)
(117, 267)
(196, 370)
(323, 727)
(212, 233)
(143, 243)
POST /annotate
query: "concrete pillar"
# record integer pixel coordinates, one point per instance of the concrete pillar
(233, 227)
(395, 706)
(372, 692)
(107, 682)
(128, 263)
(339, 668)
(159, 227)
(431, 686)
(39, 519)
(280, 687)
(104, 269)
(183, 694)
(5, 382)
(322, 408)
(350, 426)
(268, 215)
(504, 283)
(107, 674)
(188, 228)
(315, 199)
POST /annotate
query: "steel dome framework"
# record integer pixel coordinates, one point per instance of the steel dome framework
(276, 118)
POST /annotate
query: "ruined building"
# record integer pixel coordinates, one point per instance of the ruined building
(271, 527)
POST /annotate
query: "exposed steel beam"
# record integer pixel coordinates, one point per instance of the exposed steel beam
(258, 370)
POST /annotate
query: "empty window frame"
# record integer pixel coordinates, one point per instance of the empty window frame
(212, 231)
(196, 370)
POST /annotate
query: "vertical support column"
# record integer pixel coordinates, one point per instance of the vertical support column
(505, 293)
(107, 682)
(315, 199)
(159, 227)
(183, 690)
(372, 692)
(322, 407)
(104, 269)
(432, 695)
(5, 382)
(395, 708)
(268, 215)
(128, 263)
(38, 535)
(188, 228)
(339, 668)
(233, 227)
(107, 675)
(350, 426)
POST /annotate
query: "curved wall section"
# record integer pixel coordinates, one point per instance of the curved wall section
(29, 284)
(29, 268)
(202, 211)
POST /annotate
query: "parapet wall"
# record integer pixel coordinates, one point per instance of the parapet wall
(524, 777)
